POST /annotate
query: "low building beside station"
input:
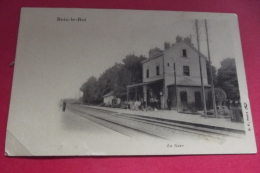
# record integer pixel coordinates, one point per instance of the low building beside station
(111, 99)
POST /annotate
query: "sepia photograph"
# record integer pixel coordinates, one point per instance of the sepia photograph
(92, 82)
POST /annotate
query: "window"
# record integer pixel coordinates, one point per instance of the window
(184, 53)
(157, 70)
(168, 64)
(186, 70)
(147, 73)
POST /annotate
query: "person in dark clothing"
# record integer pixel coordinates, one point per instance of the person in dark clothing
(156, 104)
(142, 104)
(236, 112)
(152, 103)
(169, 104)
(64, 106)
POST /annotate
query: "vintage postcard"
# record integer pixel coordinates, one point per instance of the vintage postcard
(128, 82)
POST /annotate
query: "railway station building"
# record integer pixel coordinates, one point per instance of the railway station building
(174, 74)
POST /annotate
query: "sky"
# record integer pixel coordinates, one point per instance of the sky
(74, 51)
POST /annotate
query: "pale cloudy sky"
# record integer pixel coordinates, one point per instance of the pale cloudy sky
(74, 51)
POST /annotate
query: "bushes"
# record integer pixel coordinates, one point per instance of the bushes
(116, 106)
(223, 110)
(102, 105)
(112, 106)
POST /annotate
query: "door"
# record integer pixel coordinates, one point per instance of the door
(184, 100)
(198, 104)
(172, 96)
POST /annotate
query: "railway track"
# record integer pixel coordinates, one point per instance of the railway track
(157, 127)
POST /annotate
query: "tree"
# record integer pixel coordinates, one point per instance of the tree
(214, 73)
(154, 51)
(227, 78)
(108, 80)
(131, 73)
(89, 90)
(220, 96)
(115, 78)
(123, 79)
(133, 64)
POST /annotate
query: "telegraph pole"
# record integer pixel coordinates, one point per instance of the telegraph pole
(212, 84)
(201, 77)
(175, 81)
(163, 91)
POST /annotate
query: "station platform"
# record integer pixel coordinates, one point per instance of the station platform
(181, 118)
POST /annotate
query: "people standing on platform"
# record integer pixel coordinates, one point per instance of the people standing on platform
(127, 105)
(131, 105)
(137, 105)
(169, 104)
(236, 112)
(152, 103)
(142, 104)
(156, 104)
(64, 105)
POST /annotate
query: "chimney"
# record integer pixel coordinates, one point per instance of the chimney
(188, 39)
(178, 39)
(167, 45)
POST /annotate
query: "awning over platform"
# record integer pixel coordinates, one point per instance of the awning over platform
(143, 83)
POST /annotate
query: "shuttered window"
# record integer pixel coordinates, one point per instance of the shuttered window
(186, 70)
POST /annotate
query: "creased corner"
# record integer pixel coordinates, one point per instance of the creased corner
(13, 147)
